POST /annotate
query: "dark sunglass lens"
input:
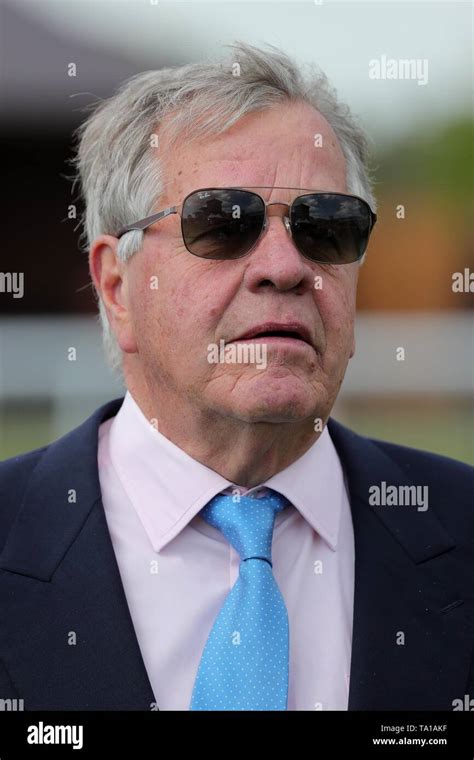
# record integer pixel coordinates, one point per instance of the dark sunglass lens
(330, 228)
(222, 224)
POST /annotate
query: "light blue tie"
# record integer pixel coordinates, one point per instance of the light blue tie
(244, 665)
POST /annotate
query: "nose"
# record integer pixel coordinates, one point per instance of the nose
(276, 262)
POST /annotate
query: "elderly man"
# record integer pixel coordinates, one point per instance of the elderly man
(214, 540)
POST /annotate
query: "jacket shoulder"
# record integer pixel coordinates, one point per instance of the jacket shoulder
(449, 484)
(51, 462)
(419, 461)
(14, 476)
(414, 462)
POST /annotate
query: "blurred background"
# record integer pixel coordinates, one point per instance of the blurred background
(422, 140)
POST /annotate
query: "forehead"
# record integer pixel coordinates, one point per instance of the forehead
(290, 145)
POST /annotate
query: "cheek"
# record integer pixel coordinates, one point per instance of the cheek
(144, 294)
(336, 305)
(184, 309)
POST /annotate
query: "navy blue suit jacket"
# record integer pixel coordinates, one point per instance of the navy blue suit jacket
(414, 574)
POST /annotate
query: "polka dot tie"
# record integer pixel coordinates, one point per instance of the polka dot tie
(244, 665)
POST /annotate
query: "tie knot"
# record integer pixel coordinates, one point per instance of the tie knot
(246, 522)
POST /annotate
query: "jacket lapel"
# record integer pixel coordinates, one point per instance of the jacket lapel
(71, 644)
(412, 638)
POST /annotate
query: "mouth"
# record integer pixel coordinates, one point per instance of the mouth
(273, 332)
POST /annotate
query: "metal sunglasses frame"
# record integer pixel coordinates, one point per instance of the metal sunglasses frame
(143, 224)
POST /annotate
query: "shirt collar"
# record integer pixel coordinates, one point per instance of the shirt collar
(168, 488)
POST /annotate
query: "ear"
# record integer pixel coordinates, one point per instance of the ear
(109, 276)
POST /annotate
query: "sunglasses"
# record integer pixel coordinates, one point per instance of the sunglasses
(227, 223)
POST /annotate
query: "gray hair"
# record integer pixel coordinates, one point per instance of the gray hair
(119, 171)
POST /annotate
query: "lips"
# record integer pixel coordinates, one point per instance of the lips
(294, 330)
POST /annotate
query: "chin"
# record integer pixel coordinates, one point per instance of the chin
(276, 408)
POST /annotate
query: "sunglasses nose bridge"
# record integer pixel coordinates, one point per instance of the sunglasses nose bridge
(286, 219)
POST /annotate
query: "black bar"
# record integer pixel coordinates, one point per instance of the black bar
(318, 734)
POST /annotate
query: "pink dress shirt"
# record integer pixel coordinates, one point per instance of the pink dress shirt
(177, 569)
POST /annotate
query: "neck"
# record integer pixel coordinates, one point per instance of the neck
(245, 453)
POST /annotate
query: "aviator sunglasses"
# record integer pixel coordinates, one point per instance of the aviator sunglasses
(227, 223)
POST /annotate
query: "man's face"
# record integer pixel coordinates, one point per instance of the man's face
(200, 302)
